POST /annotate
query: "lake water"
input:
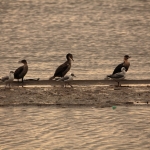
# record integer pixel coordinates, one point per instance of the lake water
(97, 32)
(86, 128)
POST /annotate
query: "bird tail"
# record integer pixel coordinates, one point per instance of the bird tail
(107, 77)
(58, 79)
(51, 78)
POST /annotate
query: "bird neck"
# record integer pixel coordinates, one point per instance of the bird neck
(126, 61)
(69, 60)
(25, 64)
(11, 75)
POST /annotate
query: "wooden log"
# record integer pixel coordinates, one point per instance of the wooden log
(82, 82)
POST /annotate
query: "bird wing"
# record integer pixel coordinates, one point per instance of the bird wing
(5, 78)
(20, 72)
(118, 76)
(118, 68)
(65, 78)
(62, 70)
(24, 71)
(17, 72)
(62, 78)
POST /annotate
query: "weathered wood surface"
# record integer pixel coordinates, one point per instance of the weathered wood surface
(82, 82)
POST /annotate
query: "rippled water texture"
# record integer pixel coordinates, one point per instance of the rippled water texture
(97, 32)
(24, 128)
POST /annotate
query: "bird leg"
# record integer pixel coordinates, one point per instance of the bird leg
(22, 82)
(65, 85)
(70, 84)
(10, 85)
(118, 83)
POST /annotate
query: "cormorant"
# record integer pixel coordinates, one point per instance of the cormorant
(21, 71)
(125, 64)
(64, 68)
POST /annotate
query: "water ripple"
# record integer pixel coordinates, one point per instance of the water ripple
(74, 128)
(98, 33)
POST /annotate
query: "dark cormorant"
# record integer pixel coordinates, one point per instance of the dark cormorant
(21, 71)
(64, 68)
(125, 64)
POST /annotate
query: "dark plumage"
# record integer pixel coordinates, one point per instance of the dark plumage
(21, 71)
(64, 68)
(125, 64)
(118, 68)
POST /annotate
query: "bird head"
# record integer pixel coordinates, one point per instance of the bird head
(12, 72)
(72, 74)
(69, 56)
(126, 57)
(23, 61)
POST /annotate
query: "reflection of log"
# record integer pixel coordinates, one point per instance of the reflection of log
(83, 82)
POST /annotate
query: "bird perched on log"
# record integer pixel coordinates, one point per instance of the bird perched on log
(118, 76)
(21, 71)
(67, 79)
(64, 68)
(8, 79)
(125, 64)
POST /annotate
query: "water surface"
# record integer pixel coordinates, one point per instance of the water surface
(85, 128)
(98, 33)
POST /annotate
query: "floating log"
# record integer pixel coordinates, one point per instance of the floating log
(82, 82)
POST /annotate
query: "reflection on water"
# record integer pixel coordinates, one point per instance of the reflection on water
(24, 128)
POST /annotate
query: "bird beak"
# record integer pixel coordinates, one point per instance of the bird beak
(71, 58)
(19, 62)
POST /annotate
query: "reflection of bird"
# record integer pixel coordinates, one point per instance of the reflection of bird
(64, 68)
(8, 79)
(67, 79)
(118, 76)
(21, 71)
